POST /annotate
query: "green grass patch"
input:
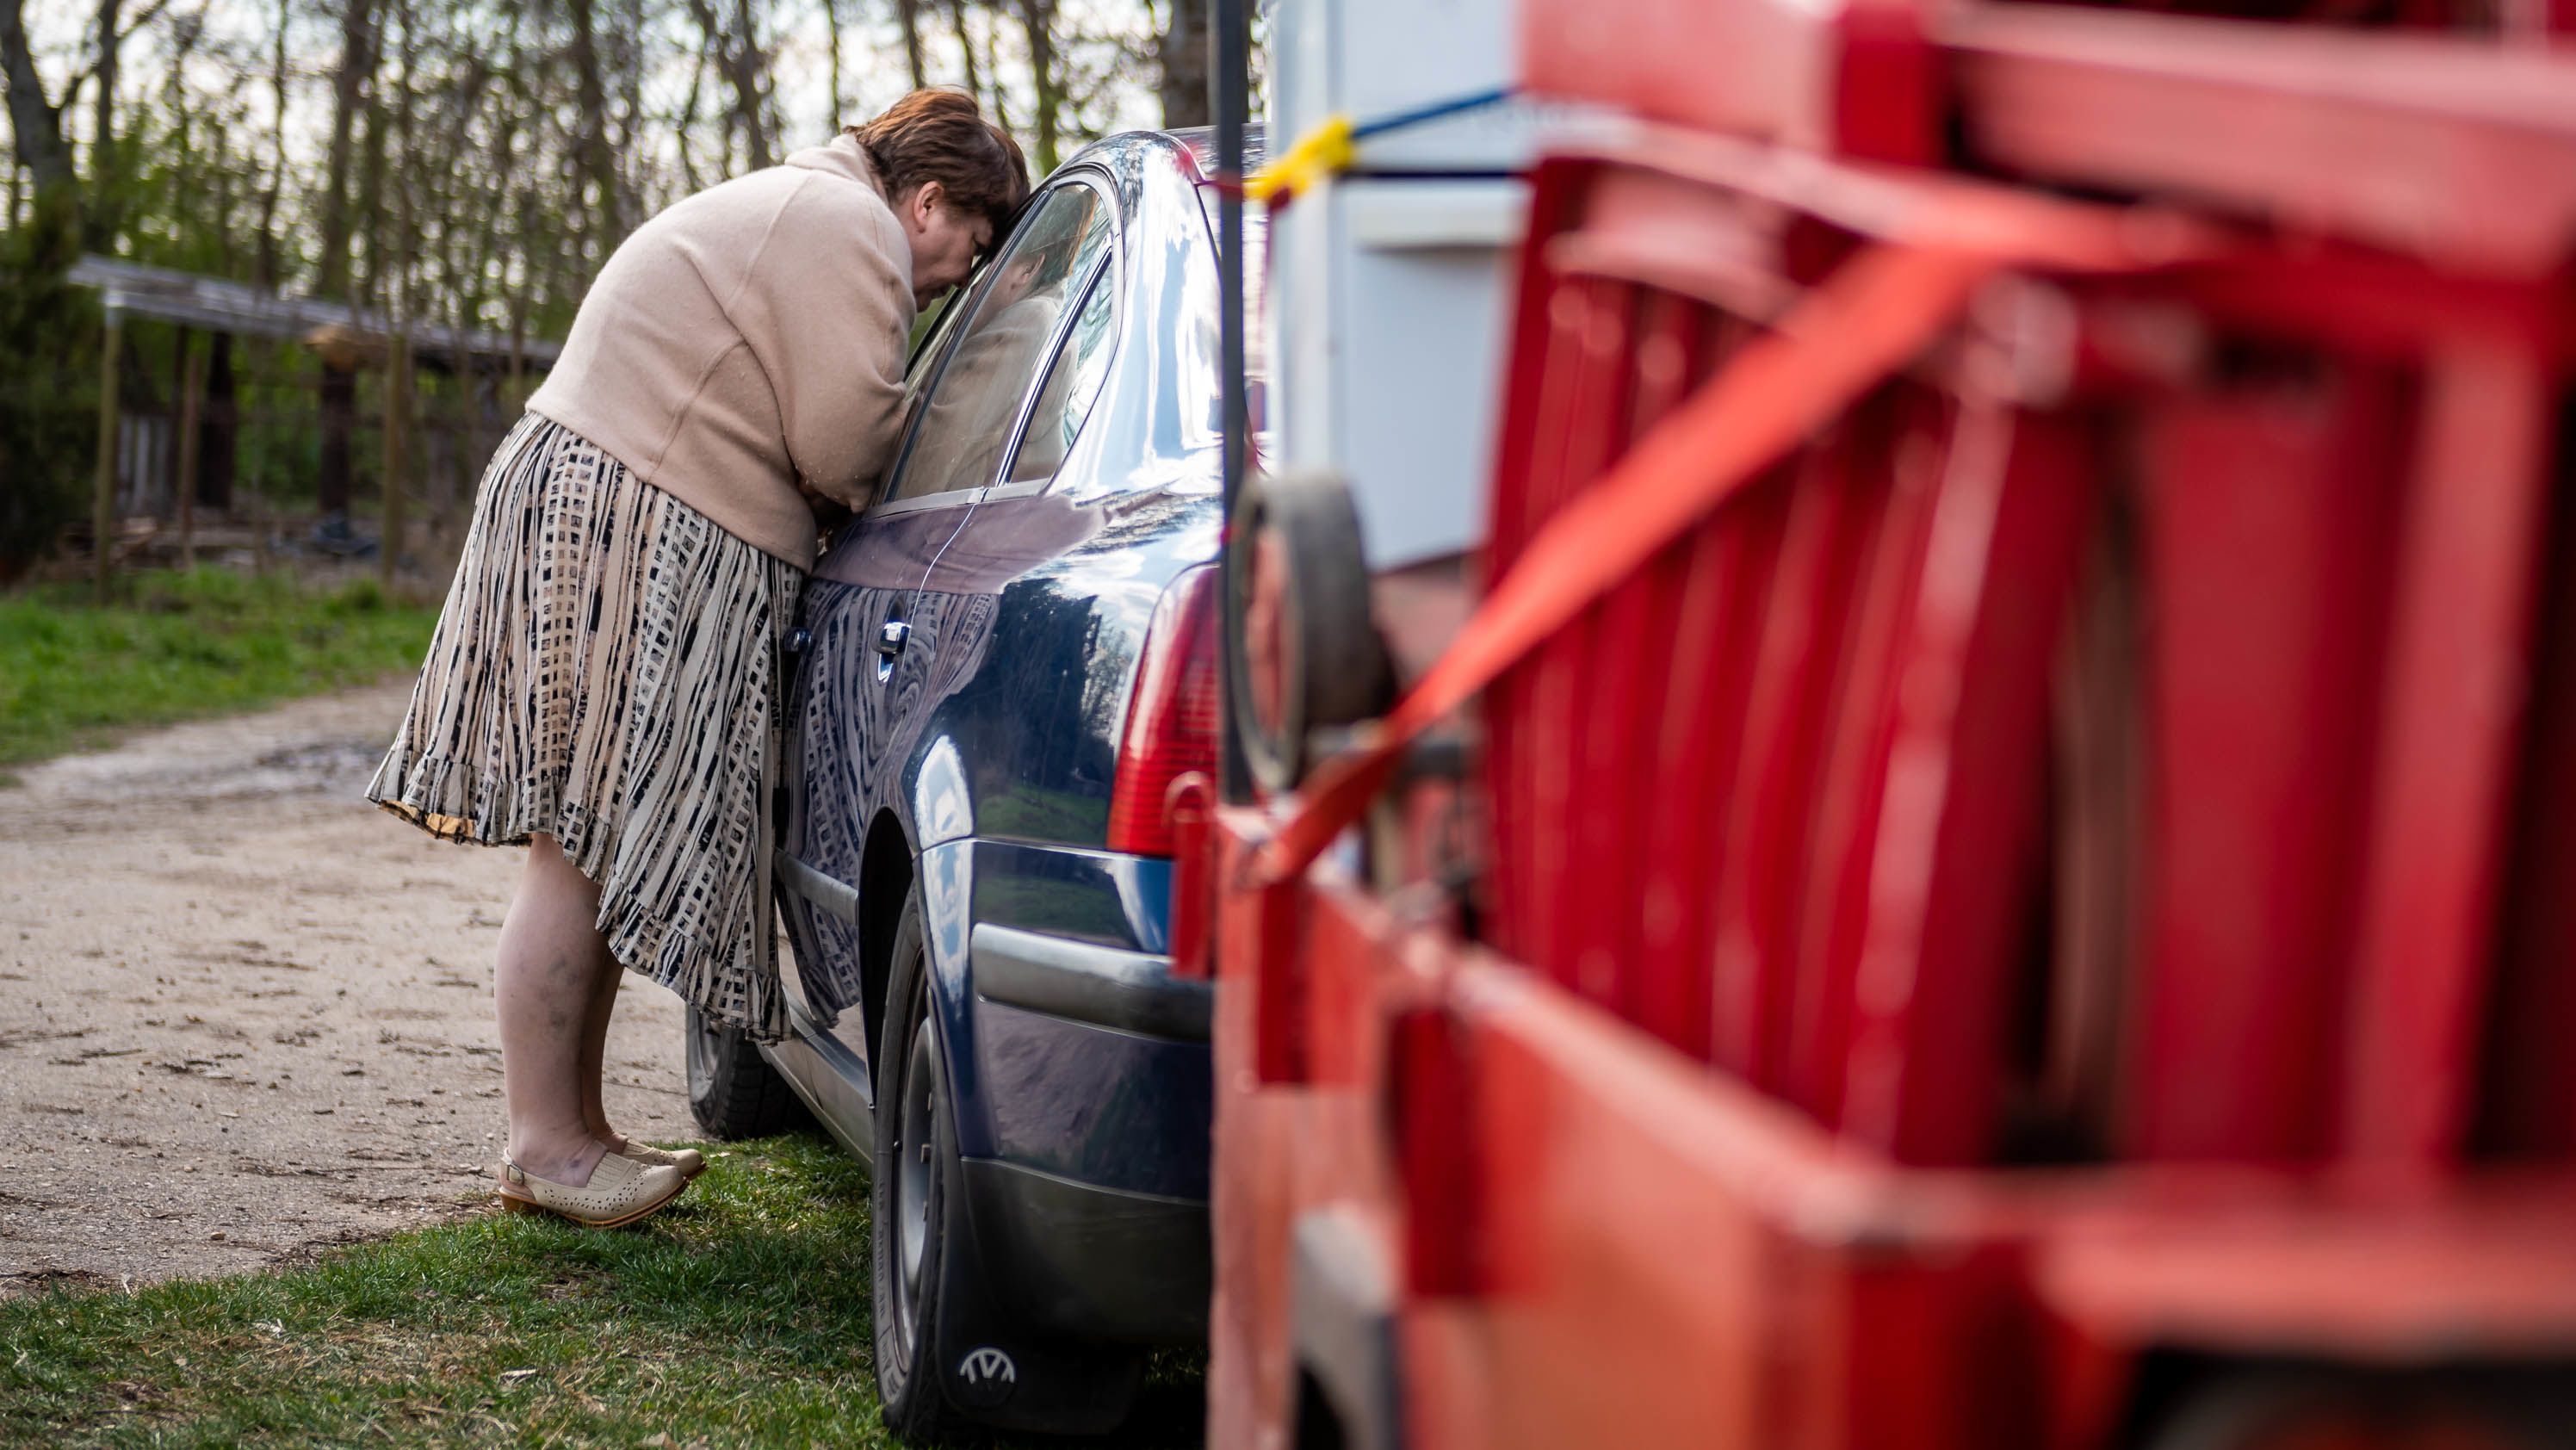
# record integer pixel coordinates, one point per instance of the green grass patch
(179, 644)
(737, 1316)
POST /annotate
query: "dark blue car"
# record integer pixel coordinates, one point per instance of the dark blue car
(1003, 665)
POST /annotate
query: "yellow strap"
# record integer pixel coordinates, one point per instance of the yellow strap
(1318, 154)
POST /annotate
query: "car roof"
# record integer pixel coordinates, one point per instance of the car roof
(1193, 146)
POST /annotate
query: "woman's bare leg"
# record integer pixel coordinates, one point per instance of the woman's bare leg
(594, 1048)
(550, 963)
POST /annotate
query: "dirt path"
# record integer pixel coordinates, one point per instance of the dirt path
(243, 1013)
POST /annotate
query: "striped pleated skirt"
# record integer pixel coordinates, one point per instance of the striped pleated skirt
(605, 672)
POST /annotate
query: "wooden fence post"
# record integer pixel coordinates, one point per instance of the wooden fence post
(191, 391)
(258, 480)
(397, 451)
(103, 501)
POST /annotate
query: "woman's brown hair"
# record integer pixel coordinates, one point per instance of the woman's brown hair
(940, 135)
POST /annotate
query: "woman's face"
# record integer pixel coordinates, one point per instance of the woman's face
(945, 240)
(1017, 277)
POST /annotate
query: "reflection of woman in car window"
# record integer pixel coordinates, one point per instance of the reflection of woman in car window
(972, 407)
(601, 685)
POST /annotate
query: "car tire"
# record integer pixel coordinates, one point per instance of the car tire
(734, 1093)
(1321, 662)
(939, 1320)
(909, 1276)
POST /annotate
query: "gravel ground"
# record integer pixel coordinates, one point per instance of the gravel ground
(244, 1014)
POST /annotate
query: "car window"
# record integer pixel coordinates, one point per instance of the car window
(976, 390)
(924, 364)
(1073, 381)
(928, 334)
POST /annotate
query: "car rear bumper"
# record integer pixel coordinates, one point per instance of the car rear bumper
(1085, 983)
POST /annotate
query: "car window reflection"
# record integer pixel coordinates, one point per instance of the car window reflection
(1073, 382)
(966, 420)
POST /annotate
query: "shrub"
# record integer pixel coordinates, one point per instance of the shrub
(48, 384)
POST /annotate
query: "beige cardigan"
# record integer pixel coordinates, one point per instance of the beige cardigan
(746, 346)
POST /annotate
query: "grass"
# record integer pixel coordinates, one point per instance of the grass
(737, 1316)
(175, 645)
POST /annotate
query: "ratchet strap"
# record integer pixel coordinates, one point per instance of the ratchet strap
(1330, 147)
(1845, 338)
(1334, 146)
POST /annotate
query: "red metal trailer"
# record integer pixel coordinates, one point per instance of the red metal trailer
(1994, 861)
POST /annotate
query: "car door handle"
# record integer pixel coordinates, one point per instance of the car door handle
(892, 636)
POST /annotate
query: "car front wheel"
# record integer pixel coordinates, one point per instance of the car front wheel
(733, 1091)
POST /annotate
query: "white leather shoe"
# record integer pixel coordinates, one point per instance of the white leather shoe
(619, 1192)
(689, 1161)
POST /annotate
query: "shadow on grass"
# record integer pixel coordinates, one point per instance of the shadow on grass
(737, 1316)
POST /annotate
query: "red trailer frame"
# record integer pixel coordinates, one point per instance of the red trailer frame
(2024, 788)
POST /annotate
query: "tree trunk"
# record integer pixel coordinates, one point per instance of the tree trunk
(687, 125)
(832, 41)
(737, 57)
(354, 100)
(908, 14)
(266, 270)
(1037, 22)
(400, 263)
(35, 123)
(632, 114)
(348, 85)
(371, 186)
(106, 182)
(606, 213)
(965, 45)
(746, 69)
(1184, 54)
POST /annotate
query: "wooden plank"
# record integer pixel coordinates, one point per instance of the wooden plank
(2459, 651)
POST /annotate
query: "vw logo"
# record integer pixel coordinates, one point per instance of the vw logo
(988, 1368)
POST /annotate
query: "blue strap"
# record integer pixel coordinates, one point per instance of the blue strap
(1432, 112)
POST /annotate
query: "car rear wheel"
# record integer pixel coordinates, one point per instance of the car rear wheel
(916, 1213)
(733, 1091)
(949, 1349)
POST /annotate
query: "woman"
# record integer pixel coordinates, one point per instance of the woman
(601, 683)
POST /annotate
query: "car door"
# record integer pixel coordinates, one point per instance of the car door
(1007, 571)
(877, 615)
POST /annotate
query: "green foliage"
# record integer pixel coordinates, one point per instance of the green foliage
(176, 645)
(48, 382)
(737, 1316)
(740, 1313)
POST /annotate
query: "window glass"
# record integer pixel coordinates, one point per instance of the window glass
(976, 392)
(924, 364)
(929, 331)
(1073, 381)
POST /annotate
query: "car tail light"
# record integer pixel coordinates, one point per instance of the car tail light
(1172, 718)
